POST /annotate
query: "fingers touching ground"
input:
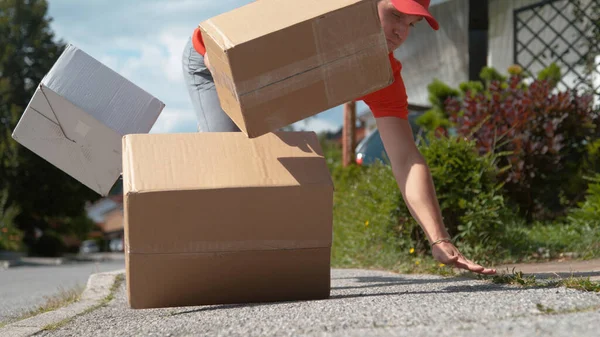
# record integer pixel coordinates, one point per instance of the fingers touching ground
(467, 264)
(448, 254)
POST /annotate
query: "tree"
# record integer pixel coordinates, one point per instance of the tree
(45, 195)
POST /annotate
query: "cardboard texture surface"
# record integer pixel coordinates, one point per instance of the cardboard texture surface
(214, 218)
(276, 62)
(78, 115)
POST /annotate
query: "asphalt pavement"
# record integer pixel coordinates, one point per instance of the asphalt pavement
(25, 287)
(365, 303)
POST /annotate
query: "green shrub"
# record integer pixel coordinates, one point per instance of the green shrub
(50, 244)
(589, 210)
(545, 134)
(470, 198)
(369, 229)
(79, 226)
(11, 238)
(552, 74)
(591, 163)
(436, 118)
(373, 227)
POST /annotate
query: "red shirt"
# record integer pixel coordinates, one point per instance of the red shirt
(390, 101)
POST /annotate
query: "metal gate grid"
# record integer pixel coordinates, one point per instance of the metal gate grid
(550, 31)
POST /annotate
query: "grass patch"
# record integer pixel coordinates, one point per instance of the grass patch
(373, 230)
(545, 241)
(581, 284)
(63, 298)
(544, 309)
(116, 284)
(113, 289)
(516, 278)
(550, 311)
(519, 279)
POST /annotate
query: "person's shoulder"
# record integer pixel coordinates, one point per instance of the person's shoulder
(392, 99)
(397, 79)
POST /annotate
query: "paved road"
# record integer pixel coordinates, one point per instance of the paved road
(25, 287)
(366, 303)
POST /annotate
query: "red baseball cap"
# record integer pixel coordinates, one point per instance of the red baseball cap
(416, 7)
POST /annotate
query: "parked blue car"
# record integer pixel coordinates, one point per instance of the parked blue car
(371, 149)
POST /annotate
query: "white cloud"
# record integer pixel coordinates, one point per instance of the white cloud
(175, 121)
(316, 124)
(174, 44)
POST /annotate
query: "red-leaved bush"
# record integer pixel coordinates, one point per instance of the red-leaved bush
(544, 131)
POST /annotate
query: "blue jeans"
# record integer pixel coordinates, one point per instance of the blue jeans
(201, 87)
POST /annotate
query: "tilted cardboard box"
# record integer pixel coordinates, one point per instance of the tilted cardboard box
(215, 218)
(276, 62)
(78, 115)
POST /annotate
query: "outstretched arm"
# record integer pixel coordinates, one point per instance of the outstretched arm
(416, 185)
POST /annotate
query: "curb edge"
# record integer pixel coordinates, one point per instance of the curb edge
(97, 289)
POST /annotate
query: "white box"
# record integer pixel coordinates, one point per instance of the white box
(78, 115)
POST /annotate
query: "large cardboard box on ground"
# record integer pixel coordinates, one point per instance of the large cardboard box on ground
(78, 115)
(216, 218)
(276, 62)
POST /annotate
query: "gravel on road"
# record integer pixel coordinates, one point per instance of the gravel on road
(365, 303)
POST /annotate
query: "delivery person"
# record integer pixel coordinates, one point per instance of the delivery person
(390, 109)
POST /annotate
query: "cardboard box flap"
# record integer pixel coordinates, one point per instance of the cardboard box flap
(69, 138)
(40, 103)
(104, 94)
(195, 161)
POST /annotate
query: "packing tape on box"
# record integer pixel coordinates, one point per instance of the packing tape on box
(307, 78)
(325, 56)
(227, 246)
(265, 87)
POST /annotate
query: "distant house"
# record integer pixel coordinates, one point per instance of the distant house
(107, 214)
(497, 33)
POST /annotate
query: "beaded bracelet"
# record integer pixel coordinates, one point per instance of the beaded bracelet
(441, 240)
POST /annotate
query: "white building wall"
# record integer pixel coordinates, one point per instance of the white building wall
(560, 34)
(428, 54)
(442, 54)
(500, 34)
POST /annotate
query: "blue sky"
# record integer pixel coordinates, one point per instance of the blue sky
(143, 41)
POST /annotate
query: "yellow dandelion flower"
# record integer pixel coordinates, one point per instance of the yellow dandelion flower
(442, 265)
(417, 262)
(412, 250)
(367, 223)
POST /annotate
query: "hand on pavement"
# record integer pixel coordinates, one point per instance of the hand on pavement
(448, 254)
